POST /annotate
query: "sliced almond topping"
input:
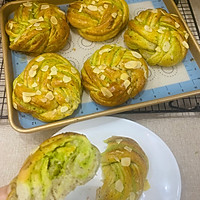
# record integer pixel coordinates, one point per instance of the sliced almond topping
(138, 19)
(154, 10)
(177, 25)
(114, 15)
(96, 70)
(43, 100)
(32, 73)
(124, 76)
(174, 15)
(106, 92)
(136, 54)
(33, 21)
(17, 38)
(126, 83)
(36, 24)
(53, 20)
(10, 25)
(148, 28)
(93, 2)
(38, 29)
(74, 71)
(38, 92)
(26, 99)
(185, 44)
(119, 186)
(92, 7)
(105, 5)
(81, 8)
(66, 79)
(128, 148)
(49, 95)
(34, 67)
(100, 9)
(34, 84)
(116, 158)
(158, 49)
(49, 87)
(54, 71)
(129, 91)
(104, 50)
(41, 19)
(186, 35)
(43, 7)
(19, 84)
(126, 161)
(102, 77)
(118, 141)
(102, 66)
(132, 196)
(45, 68)
(67, 99)
(39, 59)
(64, 109)
(132, 64)
(27, 4)
(166, 46)
(172, 57)
(28, 94)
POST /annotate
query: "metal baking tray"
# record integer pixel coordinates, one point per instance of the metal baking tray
(150, 96)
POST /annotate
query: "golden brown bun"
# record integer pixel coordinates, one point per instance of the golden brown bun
(49, 88)
(124, 168)
(37, 28)
(113, 74)
(57, 167)
(160, 37)
(98, 20)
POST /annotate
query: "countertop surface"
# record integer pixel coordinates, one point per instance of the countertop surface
(180, 131)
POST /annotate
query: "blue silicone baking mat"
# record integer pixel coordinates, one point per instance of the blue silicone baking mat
(162, 82)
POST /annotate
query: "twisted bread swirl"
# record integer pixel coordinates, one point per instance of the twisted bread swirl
(124, 168)
(49, 88)
(160, 37)
(37, 28)
(60, 164)
(114, 74)
(98, 20)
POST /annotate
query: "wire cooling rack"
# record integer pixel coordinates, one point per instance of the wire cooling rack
(191, 104)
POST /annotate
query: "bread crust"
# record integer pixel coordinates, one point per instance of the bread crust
(159, 36)
(37, 28)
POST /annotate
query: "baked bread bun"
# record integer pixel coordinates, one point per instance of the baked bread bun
(58, 165)
(98, 20)
(159, 36)
(37, 28)
(113, 74)
(49, 88)
(124, 168)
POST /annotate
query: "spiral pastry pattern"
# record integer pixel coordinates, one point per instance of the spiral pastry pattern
(159, 36)
(49, 88)
(113, 74)
(124, 168)
(57, 167)
(37, 28)
(98, 20)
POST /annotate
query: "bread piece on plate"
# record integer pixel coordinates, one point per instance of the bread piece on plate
(113, 74)
(159, 36)
(49, 88)
(57, 167)
(37, 28)
(98, 20)
(124, 168)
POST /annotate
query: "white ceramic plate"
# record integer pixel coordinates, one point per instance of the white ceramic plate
(163, 176)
